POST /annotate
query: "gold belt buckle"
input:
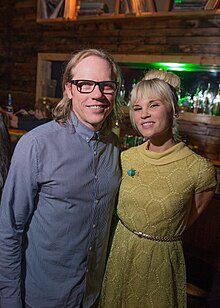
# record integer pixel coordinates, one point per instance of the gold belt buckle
(139, 233)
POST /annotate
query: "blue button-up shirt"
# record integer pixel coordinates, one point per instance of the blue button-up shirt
(59, 196)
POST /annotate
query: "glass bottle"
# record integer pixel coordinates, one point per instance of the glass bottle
(122, 94)
(185, 103)
(116, 128)
(216, 103)
(9, 105)
(207, 100)
(198, 101)
(134, 82)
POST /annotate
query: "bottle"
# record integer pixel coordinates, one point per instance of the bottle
(116, 128)
(44, 101)
(216, 103)
(207, 100)
(134, 82)
(122, 94)
(198, 101)
(9, 106)
(189, 102)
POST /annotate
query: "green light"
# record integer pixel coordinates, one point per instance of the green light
(173, 66)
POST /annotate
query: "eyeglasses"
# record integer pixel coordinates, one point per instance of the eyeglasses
(87, 86)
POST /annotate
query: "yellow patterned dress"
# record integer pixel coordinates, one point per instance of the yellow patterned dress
(155, 198)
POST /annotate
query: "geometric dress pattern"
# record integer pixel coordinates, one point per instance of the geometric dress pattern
(155, 198)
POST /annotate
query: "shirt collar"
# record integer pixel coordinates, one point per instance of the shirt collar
(81, 129)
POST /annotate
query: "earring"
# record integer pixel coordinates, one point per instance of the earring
(176, 115)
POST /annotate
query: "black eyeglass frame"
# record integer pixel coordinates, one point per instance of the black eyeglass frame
(95, 83)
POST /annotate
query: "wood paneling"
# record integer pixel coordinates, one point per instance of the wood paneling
(22, 38)
(202, 240)
(202, 131)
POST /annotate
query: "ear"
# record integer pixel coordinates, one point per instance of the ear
(68, 90)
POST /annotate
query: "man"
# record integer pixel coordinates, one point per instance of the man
(59, 195)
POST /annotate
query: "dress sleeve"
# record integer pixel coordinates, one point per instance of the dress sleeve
(17, 204)
(206, 176)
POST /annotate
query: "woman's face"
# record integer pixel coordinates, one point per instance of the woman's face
(153, 118)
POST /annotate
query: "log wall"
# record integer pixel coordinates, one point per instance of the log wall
(22, 38)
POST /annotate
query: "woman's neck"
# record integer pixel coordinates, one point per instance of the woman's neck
(156, 146)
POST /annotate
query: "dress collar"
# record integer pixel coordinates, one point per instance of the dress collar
(175, 153)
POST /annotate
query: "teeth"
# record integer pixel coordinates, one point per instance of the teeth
(96, 107)
(147, 124)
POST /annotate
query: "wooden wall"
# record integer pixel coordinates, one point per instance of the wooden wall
(21, 38)
(202, 240)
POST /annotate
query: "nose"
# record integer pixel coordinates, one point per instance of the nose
(97, 91)
(145, 112)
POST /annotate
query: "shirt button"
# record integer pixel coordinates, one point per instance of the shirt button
(90, 248)
(96, 201)
(93, 226)
(95, 152)
(96, 177)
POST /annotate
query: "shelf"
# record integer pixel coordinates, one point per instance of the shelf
(199, 118)
(189, 116)
(71, 7)
(146, 15)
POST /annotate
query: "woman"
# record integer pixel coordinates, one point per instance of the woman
(5, 152)
(165, 187)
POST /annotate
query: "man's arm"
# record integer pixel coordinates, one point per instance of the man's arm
(16, 207)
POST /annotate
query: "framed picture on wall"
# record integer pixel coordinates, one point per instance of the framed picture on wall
(52, 8)
(55, 10)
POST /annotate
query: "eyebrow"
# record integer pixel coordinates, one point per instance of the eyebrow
(149, 102)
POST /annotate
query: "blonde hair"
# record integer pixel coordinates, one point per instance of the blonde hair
(158, 83)
(64, 107)
(170, 78)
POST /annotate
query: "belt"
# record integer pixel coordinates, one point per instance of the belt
(152, 237)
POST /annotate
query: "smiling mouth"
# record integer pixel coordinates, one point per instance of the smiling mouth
(147, 124)
(98, 106)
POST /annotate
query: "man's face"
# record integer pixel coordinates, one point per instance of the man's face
(91, 108)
